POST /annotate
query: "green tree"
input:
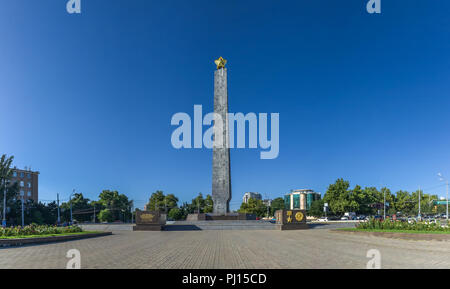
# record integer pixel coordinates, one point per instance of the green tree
(156, 201)
(5, 176)
(254, 206)
(209, 204)
(198, 204)
(340, 198)
(5, 169)
(106, 216)
(277, 204)
(170, 202)
(370, 200)
(316, 208)
(82, 210)
(175, 214)
(118, 204)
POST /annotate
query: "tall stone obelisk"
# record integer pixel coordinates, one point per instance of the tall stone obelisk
(221, 175)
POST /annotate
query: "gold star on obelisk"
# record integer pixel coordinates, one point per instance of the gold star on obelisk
(220, 62)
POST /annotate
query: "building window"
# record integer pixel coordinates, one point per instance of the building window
(29, 194)
(21, 183)
(22, 193)
(29, 185)
(15, 174)
(297, 201)
(29, 176)
(22, 175)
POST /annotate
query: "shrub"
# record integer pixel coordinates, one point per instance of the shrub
(399, 225)
(34, 229)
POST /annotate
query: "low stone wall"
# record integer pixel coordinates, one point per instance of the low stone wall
(41, 240)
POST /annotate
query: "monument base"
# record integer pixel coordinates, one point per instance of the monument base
(303, 226)
(148, 228)
(218, 217)
(291, 220)
(149, 221)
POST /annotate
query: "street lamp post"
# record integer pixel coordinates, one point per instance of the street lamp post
(59, 214)
(446, 181)
(420, 213)
(70, 201)
(23, 219)
(4, 204)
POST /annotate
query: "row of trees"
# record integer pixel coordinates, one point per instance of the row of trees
(111, 206)
(169, 204)
(369, 201)
(258, 208)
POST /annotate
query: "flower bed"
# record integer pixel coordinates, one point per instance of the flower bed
(37, 230)
(374, 224)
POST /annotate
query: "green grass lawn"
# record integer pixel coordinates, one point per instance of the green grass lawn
(394, 231)
(48, 235)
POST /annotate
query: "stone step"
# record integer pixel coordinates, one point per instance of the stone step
(220, 225)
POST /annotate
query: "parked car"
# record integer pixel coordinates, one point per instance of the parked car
(412, 220)
(344, 218)
(323, 219)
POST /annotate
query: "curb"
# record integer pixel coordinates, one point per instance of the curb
(43, 240)
(404, 236)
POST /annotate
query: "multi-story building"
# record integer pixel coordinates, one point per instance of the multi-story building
(300, 199)
(251, 195)
(28, 183)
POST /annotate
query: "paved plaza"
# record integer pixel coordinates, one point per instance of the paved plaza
(231, 249)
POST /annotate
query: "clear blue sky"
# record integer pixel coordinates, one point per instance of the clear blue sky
(87, 99)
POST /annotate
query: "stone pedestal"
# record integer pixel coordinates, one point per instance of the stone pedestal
(291, 219)
(149, 221)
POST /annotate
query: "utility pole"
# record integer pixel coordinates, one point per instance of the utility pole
(384, 204)
(131, 210)
(23, 220)
(59, 216)
(94, 214)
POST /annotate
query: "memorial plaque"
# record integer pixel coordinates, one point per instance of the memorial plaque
(291, 219)
(149, 221)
